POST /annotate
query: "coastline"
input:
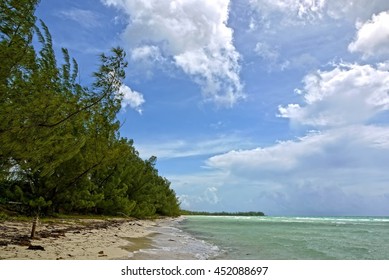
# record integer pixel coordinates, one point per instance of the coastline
(112, 239)
(170, 242)
(77, 239)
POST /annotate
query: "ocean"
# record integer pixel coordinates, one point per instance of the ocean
(288, 238)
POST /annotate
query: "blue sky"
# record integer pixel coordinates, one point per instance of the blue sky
(278, 106)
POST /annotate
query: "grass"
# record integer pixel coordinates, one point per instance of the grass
(3, 217)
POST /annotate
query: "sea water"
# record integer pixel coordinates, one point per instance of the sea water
(170, 242)
(289, 238)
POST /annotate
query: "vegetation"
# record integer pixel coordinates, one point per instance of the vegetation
(194, 213)
(60, 147)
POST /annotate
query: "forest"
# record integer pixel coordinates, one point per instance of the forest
(60, 146)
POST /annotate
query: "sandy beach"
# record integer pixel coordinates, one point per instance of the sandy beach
(85, 239)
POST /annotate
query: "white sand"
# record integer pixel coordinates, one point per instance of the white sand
(113, 242)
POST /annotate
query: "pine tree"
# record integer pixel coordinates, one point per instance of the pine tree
(60, 147)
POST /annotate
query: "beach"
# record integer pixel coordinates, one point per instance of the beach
(199, 238)
(77, 239)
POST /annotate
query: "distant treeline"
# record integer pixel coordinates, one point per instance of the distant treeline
(202, 213)
(60, 147)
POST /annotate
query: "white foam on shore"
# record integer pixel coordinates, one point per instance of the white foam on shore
(171, 243)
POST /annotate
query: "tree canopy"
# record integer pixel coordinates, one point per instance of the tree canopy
(60, 146)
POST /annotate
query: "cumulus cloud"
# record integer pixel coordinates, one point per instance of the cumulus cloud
(199, 191)
(330, 150)
(347, 94)
(322, 172)
(208, 196)
(372, 38)
(131, 98)
(194, 35)
(309, 10)
(146, 54)
(337, 169)
(384, 66)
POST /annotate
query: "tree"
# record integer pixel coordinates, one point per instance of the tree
(45, 113)
(60, 147)
(17, 21)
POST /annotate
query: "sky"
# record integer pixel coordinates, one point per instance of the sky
(280, 106)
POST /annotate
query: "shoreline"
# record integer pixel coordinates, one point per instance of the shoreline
(170, 242)
(77, 239)
(111, 239)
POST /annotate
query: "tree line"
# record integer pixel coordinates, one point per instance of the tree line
(203, 213)
(60, 147)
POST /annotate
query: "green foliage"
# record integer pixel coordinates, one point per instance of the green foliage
(3, 217)
(60, 148)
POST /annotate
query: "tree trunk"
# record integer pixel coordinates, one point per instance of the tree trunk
(34, 225)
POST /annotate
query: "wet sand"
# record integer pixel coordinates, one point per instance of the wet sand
(171, 243)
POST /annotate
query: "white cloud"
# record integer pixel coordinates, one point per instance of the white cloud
(146, 54)
(86, 18)
(373, 37)
(339, 170)
(347, 94)
(384, 66)
(309, 10)
(266, 52)
(211, 195)
(355, 9)
(298, 8)
(332, 150)
(194, 35)
(208, 196)
(199, 191)
(131, 98)
(272, 56)
(180, 148)
(321, 173)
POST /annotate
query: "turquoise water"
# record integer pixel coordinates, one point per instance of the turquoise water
(293, 238)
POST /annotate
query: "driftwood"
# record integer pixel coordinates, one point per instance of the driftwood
(36, 248)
